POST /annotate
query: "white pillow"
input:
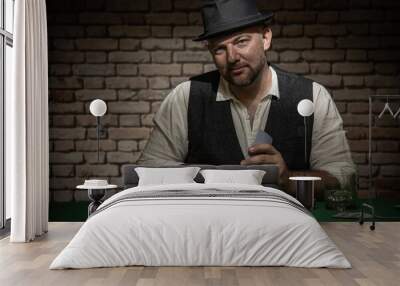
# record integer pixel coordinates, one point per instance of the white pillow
(164, 176)
(248, 177)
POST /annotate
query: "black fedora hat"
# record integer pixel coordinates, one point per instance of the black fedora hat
(223, 16)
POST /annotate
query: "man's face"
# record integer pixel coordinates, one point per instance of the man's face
(240, 57)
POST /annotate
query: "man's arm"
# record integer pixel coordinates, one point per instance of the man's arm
(266, 153)
(167, 144)
(330, 156)
(330, 150)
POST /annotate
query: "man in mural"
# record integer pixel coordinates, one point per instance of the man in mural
(214, 118)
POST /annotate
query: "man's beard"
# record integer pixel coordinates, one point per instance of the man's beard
(249, 77)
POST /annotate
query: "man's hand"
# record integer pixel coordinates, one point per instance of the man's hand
(267, 154)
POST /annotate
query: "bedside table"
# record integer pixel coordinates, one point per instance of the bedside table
(96, 195)
(305, 190)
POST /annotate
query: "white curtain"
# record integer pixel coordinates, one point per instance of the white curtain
(27, 139)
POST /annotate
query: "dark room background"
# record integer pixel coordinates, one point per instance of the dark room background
(132, 53)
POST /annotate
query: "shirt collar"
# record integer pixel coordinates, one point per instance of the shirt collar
(225, 94)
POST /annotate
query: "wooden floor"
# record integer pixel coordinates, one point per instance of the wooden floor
(375, 256)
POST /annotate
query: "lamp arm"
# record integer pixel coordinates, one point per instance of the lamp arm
(98, 138)
(305, 140)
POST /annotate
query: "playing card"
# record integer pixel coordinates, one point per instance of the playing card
(263, 138)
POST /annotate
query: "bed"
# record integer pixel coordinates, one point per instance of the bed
(201, 224)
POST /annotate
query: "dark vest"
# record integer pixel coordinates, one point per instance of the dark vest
(212, 135)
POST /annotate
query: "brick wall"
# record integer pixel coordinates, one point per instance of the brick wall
(131, 53)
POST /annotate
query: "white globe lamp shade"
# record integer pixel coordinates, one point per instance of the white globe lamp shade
(305, 107)
(98, 107)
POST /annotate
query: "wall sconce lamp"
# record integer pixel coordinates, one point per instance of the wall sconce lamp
(98, 108)
(305, 108)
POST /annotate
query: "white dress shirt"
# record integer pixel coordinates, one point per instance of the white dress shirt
(168, 143)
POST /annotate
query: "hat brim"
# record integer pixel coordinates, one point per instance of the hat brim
(232, 27)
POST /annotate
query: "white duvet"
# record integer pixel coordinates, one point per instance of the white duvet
(200, 231)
